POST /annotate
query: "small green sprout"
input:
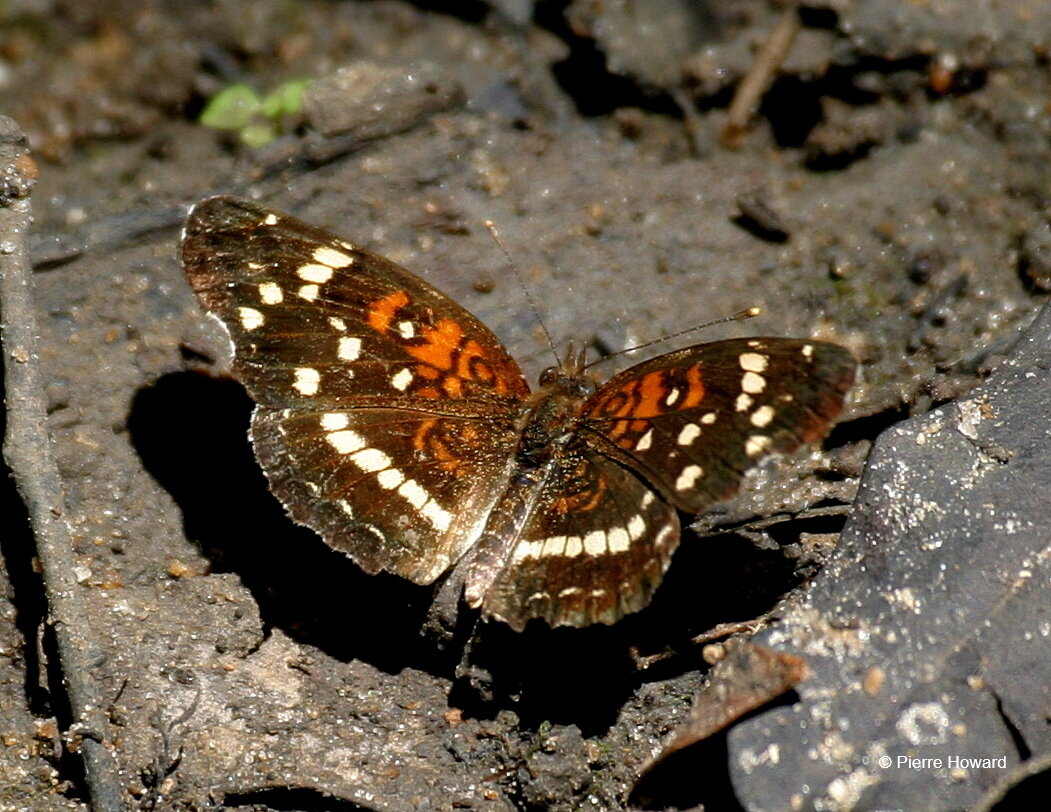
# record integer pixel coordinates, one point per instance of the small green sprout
(257, 120)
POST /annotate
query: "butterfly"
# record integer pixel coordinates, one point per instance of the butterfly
(397, 426)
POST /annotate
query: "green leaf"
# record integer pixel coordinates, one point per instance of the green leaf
(258, 134)
(231, 108)
(285, 99)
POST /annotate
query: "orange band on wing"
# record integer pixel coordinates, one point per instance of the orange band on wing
(694, 388)
(381, 313)
(439, 344)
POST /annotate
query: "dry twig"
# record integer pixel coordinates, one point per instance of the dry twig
(27, 451)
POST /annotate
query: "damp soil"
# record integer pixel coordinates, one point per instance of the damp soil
(889, 194)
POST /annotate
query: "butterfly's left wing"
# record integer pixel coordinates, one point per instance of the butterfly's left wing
(692, 422)
(319, 322)
(385, 410)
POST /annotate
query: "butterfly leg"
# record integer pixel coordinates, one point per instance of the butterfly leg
(442, 616)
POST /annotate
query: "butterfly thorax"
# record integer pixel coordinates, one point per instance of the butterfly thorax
(549, 419)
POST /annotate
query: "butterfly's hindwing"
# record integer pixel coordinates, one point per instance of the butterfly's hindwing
(593, 550)
(393, 489)
(694, 421)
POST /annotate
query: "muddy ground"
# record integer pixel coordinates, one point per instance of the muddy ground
(890, 193)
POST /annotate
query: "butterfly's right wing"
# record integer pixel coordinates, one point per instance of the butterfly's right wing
(692, 422)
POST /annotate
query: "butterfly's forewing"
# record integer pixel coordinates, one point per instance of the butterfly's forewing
(339, 348)
(694, 421)
(317, 321)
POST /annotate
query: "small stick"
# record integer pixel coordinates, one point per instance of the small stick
(28, 453)
(768, 59)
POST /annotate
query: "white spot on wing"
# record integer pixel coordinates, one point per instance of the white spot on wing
(250, 317)
(337, 324)
(664, 535)
(406, 329)
(708, 418)
(390, 479)
(689, 433)
(618, 540)
(753, 361)
(527, 549)
(645, 441)
(332, 257)
(270, 293)
(757, 444)
(439, 518)
(636, 527)
(401, 379)
(743, 403)
(371, 460)
(270, 219)
(349, 348)
(688, 478)
(671, 397)
(346, 442)
(416, 495)
(334, 421)
(375, 531)
(307, 381)
(762, 416)
(554, 545)
(595, 542)
(574, 546)
(753, 383)
(808, 350)
(308, 292)
(318, 274)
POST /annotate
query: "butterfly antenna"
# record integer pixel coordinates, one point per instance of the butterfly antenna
(740, 315)
(489, 224)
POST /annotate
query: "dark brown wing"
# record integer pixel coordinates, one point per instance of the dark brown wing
(393, 489)
(593, 549)
(677, 431)
(317, 321)
(693, 421)
(385, 416)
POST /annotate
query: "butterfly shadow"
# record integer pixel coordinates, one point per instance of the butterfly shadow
(191, 432)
